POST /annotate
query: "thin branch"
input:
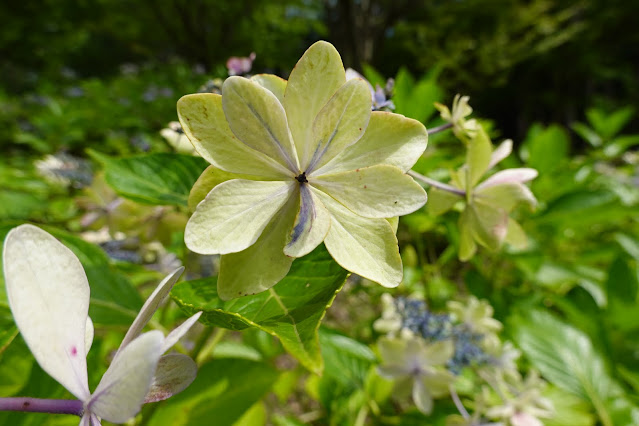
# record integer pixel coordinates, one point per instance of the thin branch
(39, 405)
(460, 407)
(437, 184)
(441, 128)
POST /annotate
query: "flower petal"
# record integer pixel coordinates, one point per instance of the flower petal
(376, 192)
(48, 294)
(467, 245)
(505, 196)
(177, 333)
(174, 373)
(515, 236)
(440, 201)
(126, 382)
(88, 335)
(367, 247)
(234, 214)
(150, 306)
(519, 175)
(258, 119)
(477, 158)
(311, 225)
(275, 84)
(488, 225)
(389, 139)
(421, 396)
(263, 264)
(204, 123)
(209, 179)
(313, 81)
(340, 123)
(502, 151)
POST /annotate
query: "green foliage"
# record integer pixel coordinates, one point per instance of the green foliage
(223, 391)
(291, 311)
(157, 179)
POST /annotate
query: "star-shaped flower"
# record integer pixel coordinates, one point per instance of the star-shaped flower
(462, 127)
(485, 219)
(295, 164)
(48, 294)
(421, 362)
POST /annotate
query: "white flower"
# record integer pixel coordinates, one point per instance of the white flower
(48, 294)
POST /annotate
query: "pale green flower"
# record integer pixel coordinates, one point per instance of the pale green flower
(477, 315)
(175, 136)
(422, 363)
(295, 164)
(457, 117)
(485, 219)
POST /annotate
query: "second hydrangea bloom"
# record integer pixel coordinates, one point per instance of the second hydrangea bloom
(295, 164)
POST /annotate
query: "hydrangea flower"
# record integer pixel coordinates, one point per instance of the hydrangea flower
(462, 127)
(175, 137)
(420, 362)
(295, 164)
(48, 294)
(485, 219)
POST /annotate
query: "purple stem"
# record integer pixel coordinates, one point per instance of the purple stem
(39, 405)
(441, 128)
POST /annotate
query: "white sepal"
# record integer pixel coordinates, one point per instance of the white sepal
(180, 331)
(150, 306)
(48, 294)
(123, 387)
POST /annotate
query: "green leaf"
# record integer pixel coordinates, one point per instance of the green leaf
(609, 124)
(158, 179)
(587, 134)
(292, 310)
(222, 392)
(346, 360)
(548, 149)
(566, 357)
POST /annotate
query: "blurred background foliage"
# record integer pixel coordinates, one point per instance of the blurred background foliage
(85, 78)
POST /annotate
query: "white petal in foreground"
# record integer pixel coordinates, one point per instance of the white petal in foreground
(48, 294)
(175, 372)
(150, 306)
(175, 335)
(367, 247)
(125, 384)
(234, 214)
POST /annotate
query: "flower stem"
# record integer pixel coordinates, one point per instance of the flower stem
(39, 405)
(437, 184)
(460, 407)
(441, 128)
(207, 349)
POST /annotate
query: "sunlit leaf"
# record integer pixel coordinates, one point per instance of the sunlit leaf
(292, 310)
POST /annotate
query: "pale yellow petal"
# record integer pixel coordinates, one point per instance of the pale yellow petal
(311, 224)
(234, 214)
(340, 124)
(389, 139)
(258, 119)
(367, 247)
(275, 84)
(313, 81)
(204, 123)
(376, 192)
(209, 179)
(263, 264)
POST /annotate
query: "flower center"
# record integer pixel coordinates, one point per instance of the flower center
(301, 178)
